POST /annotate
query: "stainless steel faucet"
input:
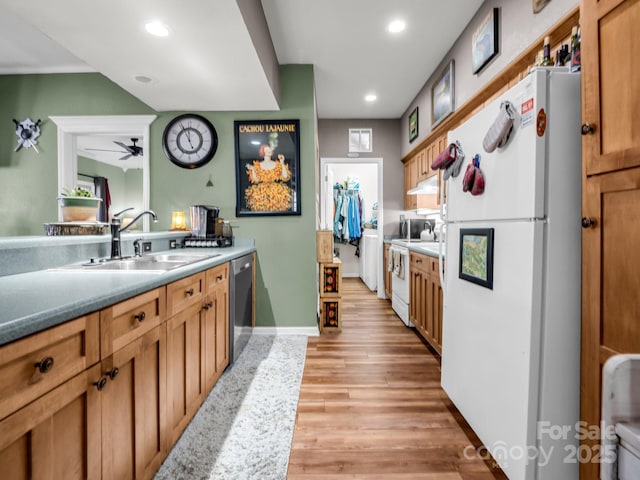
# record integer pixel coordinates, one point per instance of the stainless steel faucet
(116, 230)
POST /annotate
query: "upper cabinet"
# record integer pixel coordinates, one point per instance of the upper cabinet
(610, 72)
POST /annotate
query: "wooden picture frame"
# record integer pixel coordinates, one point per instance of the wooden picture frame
(267, 167)
(484, 41)
(413, 125)
(442, 95)
(538, 5)
(476, 256)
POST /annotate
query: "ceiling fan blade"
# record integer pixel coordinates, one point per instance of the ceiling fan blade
(102, 150)
(126, 157)
(126, 147)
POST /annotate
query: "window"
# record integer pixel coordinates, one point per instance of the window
(360, 140)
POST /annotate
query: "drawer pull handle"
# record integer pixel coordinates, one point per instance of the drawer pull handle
(586, 129)
(113, 373)
(588, 222)
(140, 317)
(45, 365)
(189, 292)
(208, 305)
(219, 277)
(101, 383)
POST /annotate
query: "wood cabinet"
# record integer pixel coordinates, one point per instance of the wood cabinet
(108, 394)
(186, 386)
(611, 192)
(418, 168)
(56, 436)
(425, 298)
(216, 319)
(388, 289)
(132, 386)
(134, 441)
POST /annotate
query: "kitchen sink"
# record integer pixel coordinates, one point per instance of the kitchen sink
(154, 262)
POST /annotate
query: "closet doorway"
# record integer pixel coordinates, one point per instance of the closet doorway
(365, 176)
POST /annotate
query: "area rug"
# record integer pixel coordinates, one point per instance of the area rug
(244, 428)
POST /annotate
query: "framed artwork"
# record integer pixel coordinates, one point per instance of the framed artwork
(442, 95)
(267, 167)
(413, 125)
(484, 41)
(539, 5)
(476, 256)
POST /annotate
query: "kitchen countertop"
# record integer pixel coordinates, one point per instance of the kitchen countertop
(426, 248)
(34, 301)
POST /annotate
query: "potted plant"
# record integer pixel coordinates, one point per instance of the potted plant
(78, 205)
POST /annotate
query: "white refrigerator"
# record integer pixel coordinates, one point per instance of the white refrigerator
(511, 326)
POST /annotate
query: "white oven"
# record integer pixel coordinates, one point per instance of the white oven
(400, 280)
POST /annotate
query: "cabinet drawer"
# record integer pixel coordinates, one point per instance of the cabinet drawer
(35, 365)
(185, 292)
(217, 276)
(126, 321)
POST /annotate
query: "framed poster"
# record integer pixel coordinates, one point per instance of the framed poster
(484, 41)
(267, 167)
(442, 95)
(476, 256)
(413, 125)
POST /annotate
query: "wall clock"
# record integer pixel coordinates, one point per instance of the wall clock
(190, 140)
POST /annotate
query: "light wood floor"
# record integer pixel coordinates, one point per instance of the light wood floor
(371, 405)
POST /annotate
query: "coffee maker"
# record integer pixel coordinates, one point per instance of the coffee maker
(203, 220)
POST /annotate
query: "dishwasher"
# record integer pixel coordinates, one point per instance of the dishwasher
(240, 305)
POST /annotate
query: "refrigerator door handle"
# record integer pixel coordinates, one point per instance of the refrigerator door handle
(441, 259)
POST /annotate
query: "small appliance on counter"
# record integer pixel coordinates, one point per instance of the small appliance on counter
(410, 228)
(207, 228)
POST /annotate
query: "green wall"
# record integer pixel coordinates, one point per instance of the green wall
(286, 276)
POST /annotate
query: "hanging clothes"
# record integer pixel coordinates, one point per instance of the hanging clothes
(347, 222)
(102, 191)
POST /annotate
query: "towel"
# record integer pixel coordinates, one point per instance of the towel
(398, 265)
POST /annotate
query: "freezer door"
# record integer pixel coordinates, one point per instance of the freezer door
(515, 174)
(491, 337)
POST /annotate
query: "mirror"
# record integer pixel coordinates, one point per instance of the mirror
(75, 131)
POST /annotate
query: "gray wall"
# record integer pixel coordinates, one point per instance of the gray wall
(333, 137)
(519, 28)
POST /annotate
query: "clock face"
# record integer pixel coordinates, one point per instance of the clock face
(190, 141)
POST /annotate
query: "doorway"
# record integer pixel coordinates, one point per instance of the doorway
(367, 172)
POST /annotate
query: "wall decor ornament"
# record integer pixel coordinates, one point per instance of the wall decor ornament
(442, 95)
(484, 41)
(413, 125)
(267, 167)
(27, 132)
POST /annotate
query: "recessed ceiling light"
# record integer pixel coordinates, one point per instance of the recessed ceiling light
(396, 26)
(157, 28)
(144, 79)
(371, 97)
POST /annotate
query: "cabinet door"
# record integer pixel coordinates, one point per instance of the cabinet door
(434, 305)
(186, 384)
(410, 181)
(216, 318)
(134, 442)
(56, 436)
(610, 86)
(610, 285)
(387, 273)
(33, 366)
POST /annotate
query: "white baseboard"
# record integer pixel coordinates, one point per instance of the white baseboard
(308, 331)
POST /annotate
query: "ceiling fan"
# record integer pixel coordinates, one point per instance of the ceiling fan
(130, 150)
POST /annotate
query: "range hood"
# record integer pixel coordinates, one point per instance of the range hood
(428, 186)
